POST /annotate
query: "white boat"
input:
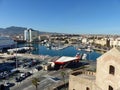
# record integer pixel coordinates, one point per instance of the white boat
(79, 49)
(84, 56)
(89, 49)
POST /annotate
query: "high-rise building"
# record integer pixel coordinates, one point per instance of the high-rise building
(31, 35)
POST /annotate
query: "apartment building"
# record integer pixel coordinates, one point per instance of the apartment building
(30, 35)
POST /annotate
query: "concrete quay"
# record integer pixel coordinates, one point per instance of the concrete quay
(5, 56)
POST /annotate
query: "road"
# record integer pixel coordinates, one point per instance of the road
(45, 80)
(27, 82)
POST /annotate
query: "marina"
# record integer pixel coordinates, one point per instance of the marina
(67, 51)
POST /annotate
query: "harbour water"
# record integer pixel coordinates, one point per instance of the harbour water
(69, 51)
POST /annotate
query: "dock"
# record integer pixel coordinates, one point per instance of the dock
(19, 49)
(99, 49)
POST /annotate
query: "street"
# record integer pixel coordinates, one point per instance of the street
(46, 80)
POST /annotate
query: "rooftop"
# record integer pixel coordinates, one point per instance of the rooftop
(113, 54)
(84, 74)
(90, 77)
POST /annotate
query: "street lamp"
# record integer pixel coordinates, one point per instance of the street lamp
(16, 57)
(16, 62)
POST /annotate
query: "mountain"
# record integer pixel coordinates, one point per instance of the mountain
(12, 30)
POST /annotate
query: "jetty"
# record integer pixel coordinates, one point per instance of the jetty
(100, 49)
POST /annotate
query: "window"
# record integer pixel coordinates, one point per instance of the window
(87, 88)
(111, 70)
(110, 88)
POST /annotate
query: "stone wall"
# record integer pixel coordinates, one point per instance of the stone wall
(103, 78)
(77, 83)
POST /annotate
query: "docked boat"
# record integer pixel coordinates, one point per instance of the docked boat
(79, 49)
(84, 56)
(88, 49)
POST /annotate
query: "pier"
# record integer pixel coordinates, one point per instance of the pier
(19, 49)
(99, 49)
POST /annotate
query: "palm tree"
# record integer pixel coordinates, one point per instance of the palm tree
(63, 74)
(35, 82)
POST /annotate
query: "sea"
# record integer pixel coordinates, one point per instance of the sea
(70, 51)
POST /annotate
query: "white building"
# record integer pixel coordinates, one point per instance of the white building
(30, 35)
(85, 41)
(115, 42)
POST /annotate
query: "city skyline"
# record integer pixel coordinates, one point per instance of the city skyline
(62, 16)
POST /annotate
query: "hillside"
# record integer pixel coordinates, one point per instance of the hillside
(12, 30)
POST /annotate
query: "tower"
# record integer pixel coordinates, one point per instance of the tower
(30, 35)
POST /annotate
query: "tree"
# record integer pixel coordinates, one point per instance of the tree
(63, 74)
(66, 42)
(35, 82)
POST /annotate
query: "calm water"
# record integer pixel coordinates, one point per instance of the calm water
(69, 51)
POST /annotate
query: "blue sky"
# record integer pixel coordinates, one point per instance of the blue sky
(65, 16)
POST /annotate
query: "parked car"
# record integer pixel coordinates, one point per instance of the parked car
(38, 68)
(2, 87)
(8, 84)
(18, 79)
(27, 74)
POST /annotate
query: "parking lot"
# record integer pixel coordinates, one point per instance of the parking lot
(17, 69)
(27, 68)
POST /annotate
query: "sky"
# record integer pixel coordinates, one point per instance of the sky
(62, 16)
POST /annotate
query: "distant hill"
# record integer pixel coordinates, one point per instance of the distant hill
(13, 30)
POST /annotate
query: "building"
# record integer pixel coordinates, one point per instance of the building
(101, 42)
(85, 41)
(31, 35)
(6, 42)
(107, 76)
(115, 42)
